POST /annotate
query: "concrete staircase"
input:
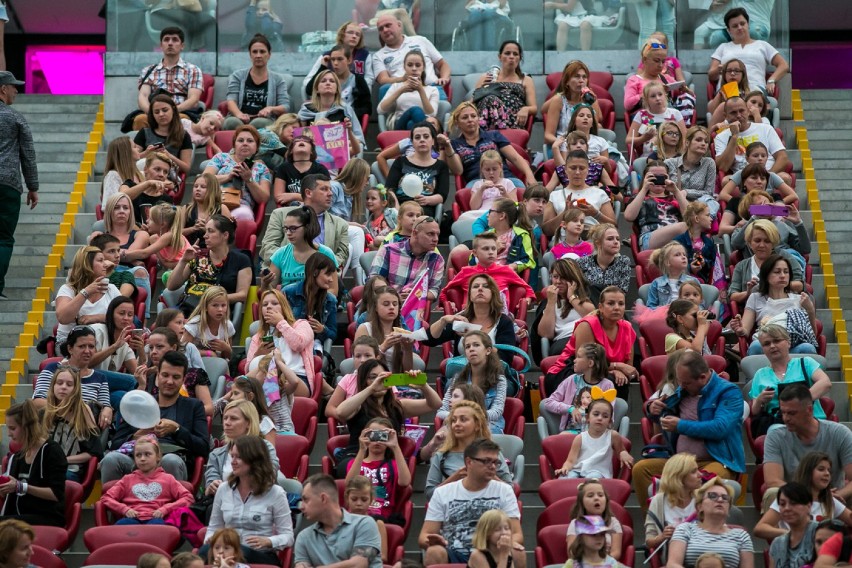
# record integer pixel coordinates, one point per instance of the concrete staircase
(60, 127)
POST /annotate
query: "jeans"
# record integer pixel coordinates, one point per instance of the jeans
(129, 521)
(116, 465)
(483, 29)
(756, 349)
(119, 385)
(656, 15)
(383, 89)
(10, 210)
(409, 118)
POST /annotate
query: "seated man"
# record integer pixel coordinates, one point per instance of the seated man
(388, 61)
(181, 431)
(402, 263)
(485, 251)
(704, 417)
(337, 537)
(732, 142)
(456, 507)
(784, 447)
(182, 80)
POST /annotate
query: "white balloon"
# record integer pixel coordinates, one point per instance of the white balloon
(140, 409)
(412, 185)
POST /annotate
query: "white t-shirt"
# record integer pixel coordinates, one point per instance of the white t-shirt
(411, 99)
(593, 195)
(817, 511)
(459, 509)
(757, 132)
(191, 327)
(115, 361)
(88, 309)
(756, 56)
(668, 115)
(391, 60)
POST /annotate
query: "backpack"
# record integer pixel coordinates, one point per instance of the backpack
(513, 380)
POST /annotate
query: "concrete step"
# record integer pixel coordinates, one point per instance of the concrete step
(68, 109)
(77, 135)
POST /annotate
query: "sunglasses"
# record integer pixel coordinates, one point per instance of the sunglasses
(724, 497)
(658, 46)
(424, 220)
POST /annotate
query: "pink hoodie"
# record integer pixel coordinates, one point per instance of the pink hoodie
(147, 493)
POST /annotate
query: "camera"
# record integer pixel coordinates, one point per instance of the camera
(378, 436)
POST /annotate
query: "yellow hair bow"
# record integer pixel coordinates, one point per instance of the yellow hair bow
(608, 395)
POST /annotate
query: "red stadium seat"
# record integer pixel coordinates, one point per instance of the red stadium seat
(167, 537)
(652, 337)
(552, 491)
(559, 513)
(208, 90)
(461, 202)
(44, 558)
(122, 553)
(517, 136)
(293, 451)
(554, 450)
(550, 546)
(390, 137)
(246, 237)
(305, 415)
(513, 414)
(224, 139)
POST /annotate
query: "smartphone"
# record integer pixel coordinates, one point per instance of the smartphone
(404, 379)
(249, 163)
(158, 146)
(266, 338)
(137, 332)
(773, 210)
(581, 201)
(264, 272)
(660, 179)
(378, 436)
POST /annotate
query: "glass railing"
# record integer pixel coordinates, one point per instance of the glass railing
(217, 31)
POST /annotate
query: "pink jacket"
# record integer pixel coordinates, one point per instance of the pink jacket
(300, 338)
(633, 91)
(147, 493)
(503, 275)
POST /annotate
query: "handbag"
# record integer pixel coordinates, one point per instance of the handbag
(231, 197)
(489, 90)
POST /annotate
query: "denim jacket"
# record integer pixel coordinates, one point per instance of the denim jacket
(719, 424)
(661, 293)
(296, 296)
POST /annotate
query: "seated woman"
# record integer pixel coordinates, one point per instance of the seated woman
(566, 303)
(485, 370)
(238, 419)
(658, 208)
(674, 503)
(70, 422)
(155, 189)
(17, 538)
(775, 303)
(710, 533)
(120, 168)
(34, 486)
(118, 346)
(287, 264)
(572, 92)
(293, 338)
(653, 68)
(506, 100)
(468, 422)
(165, 132)
(253, 504)
(244, 181)
(574, 193)
(782, 370)
(300, 160)
(433, 172)
(795, 548)
(221, 266)
(160, 341)
(484, 308)
(311, 299)
(695, 172)
(351, 35)
(606, 266)
(409, 102)
(120, 222)
(375, 400)
(326, 104)
(256, 95)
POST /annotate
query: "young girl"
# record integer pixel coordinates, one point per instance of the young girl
(164, 127)
(311, 299)
(279, 384)
(225, 550)
(140, 507)
(668, 143)
(409, 212)
(462, 391)
(589, 546)
(758, 107)
(671, 260)
(382, 215)
(359, 496)
(583, 120)
(492, 542)
(658, 207)
(368, 297)
(572, 244)
(165, 226)
(70, 422)
(692, 291)
(433, 172)
(575, 194)
(590, 369)
(593, 500)
(655, 111)
(250, 389)
(756, 153)
(710, 560)
(300, 160)
(173, 319)
(597, 176)
(410, 101)
(203, 132)
(209, 326)
(206, 202)
(705, 263)
(690, 325)
(364, 348)
(491, 187)
(381, 321)
(513, 228)
(382, 462)
(591, 453)
(347, 189)
(120, 168)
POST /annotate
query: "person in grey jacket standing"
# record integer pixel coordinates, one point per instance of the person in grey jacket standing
(17, 154)
(256, 95)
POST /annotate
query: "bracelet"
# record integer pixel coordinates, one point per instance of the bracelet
(770, 81)
(574, 297)
(84, 293)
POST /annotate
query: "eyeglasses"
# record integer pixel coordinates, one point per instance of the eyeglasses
(423, 220)
(674, 133)
(734, 71)
(292, 228)
(724, 497)
(487, 462)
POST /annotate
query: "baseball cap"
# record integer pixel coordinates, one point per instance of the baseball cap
(591, 524)
(6, 78)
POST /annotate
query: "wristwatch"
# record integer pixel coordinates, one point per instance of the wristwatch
(84, 293)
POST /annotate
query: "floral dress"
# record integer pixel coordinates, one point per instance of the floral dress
(498, 109)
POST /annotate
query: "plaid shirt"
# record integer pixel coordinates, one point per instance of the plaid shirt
(177, 80)
(17, 153)
(396, 263)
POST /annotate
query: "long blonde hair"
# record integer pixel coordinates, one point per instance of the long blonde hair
(489, 522)
(111, 203)
(200, 310)
(353, 177)
(286, 311)
(72, 410)
(212, 201)
(82, 274)
(674, 472)
(173, 217)
(479, 417)
(315, 98)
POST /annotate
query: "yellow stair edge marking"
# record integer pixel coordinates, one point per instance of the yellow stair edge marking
(801, 134)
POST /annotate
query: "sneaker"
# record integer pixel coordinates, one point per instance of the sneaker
(3, 296)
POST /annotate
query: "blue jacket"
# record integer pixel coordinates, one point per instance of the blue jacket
(660, 292)
(719, 424)
(296, 296)
(708, 251)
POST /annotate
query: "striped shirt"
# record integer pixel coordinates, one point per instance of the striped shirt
(177, 80)
(398, 265)
(698, 541)
(17, 152)
(95, 387)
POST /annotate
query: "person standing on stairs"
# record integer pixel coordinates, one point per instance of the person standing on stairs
(17, 154)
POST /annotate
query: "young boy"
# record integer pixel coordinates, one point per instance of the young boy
(122, 279)
(485, 252)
